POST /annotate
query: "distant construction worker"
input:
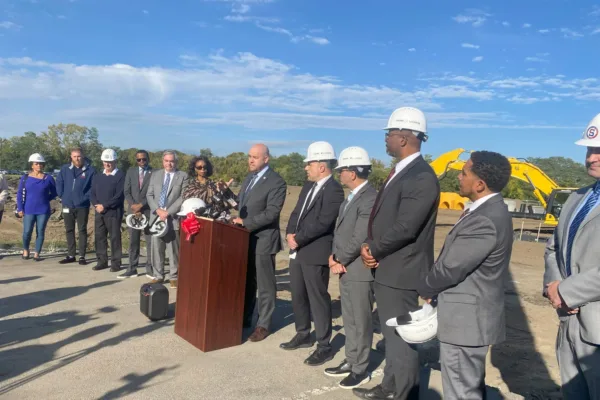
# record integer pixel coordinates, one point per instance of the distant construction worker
(73, 185)
(3, 194)
(356, 281)
(309, 236)
(572, 280)
(108, 199)
(469, 277)
(399, 247)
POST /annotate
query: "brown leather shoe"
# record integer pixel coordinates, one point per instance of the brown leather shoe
(259, 334)
(155, 280)
(173, 283)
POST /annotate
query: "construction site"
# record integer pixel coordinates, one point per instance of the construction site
(56, 330)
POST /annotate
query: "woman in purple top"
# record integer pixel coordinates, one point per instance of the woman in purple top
(35, 191)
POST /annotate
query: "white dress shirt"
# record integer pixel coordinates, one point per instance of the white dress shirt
(402, 164)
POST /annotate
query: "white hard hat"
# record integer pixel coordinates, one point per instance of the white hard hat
(109, 155)
(37, 157)
(191, 205)
(320, 151)
(353, 157)
(418, 326)
(159, 228)
(591, 135)
(409, 118)
(135, 221)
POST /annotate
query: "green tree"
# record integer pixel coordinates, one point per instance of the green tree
(291, 168)
(59, 139)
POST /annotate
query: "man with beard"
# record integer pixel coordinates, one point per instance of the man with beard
(261, 199)
(399, 248)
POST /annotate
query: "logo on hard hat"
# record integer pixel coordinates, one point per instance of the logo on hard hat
(592, 132)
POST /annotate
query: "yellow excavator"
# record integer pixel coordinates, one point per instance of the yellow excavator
(545, 190)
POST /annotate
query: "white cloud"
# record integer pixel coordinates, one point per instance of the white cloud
(146, 12)
(240, 8)
(473, 16)
(317, 40)
(595, 31)
(570, 34)
(526, 25)
(544, 31)
(250, 18)
(470, 46)
(9, 25)
(477, 59)
(505, 23)
(265, 94)
(535, 59)
(412, 49)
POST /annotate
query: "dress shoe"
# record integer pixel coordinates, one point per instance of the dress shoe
(342, 370)
(375, 393)
(319, 357)
(157, 280)
(115, 268)
(67, 260)
(354, 380)
(99, 267)
(297, 342)
(259, 334)
(173, 283)
(81, 261)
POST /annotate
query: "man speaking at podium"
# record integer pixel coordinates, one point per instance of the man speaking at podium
(261, 199)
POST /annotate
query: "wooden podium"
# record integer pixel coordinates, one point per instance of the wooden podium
(211, 285)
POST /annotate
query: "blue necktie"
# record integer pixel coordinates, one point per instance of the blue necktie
(251, 184)
(163, 192)
(350, 196)
(587, 207)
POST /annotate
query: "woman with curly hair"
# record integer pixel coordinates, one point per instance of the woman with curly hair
(200, 186)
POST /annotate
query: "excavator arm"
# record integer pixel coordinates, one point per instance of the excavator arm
(544, 188)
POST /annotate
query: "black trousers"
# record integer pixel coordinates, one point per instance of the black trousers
(260, 275)
(108, 224)
(401, 372)
(79, 215)
(310, 296)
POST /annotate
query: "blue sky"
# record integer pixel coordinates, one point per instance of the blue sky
(519, 78)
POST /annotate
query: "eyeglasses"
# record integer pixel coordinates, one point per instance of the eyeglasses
(394, 132)
(141, 159)
(201, 167)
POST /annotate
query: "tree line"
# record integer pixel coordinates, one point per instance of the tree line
(55, 143)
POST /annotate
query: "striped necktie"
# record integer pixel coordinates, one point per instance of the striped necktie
(163, 192)
(583, 212)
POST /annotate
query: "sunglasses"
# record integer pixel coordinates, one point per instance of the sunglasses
(141, 159)
(201, 167)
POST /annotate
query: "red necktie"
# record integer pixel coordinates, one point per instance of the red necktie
(464, 213)
(372, 216)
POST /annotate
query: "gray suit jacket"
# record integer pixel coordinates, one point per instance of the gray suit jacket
(470, 274)
(582, 288)
(351, 231)
(174, 195)
(133, 193)
(260, 209)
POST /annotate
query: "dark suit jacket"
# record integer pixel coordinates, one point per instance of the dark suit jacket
(403, 226)
(133, 193)
(260, 209)
(470, 274)
(314, 233)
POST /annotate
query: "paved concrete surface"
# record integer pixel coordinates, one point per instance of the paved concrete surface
(67, 332)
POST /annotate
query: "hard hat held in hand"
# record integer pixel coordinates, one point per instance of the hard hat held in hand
(109, 155)
(190, 206)
(353, 157)
(591, 135)
(159, 228)
(408, 118)
(37, 157)
(136, 221)
(417, 326)
(320, 151)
